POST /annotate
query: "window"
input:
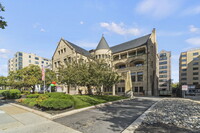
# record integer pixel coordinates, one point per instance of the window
(47, 63)
(163, 76)
(163, 67)
(121, 89)
(29, 61)
(196, 58)
(183, 78)
(195, 78)
(140, 76)
(36, 62)
(141, 89)
(42, 62)
(131, 54)
(136, 89)
(133, 78)
(162, 55)
(184, 70)
(195, 68)
(196, 63)
(59, 52)
(195, 83)
(183, 64)
(163, 71)
(162, 63)
(195, 73)
(196, 53)
(163, 58)
(36, 58)
(123, 56)
(183, 60)
(116, 57)
(183, 74)
(183, 55)
(55, 64)
(20, 54)
(163, 85)
(121, 66)
(163, 80)
(122, 81)
(64, 49)
(139, 63)
(29, 56)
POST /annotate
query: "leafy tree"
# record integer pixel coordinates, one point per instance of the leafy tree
(50, 76)
(3, 23)
(3, 81)
(95, 73)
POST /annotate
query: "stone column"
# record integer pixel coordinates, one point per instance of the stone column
(113, 90)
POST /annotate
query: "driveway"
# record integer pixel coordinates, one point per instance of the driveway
(108, 119)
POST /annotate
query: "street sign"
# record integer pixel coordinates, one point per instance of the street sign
(184, 87)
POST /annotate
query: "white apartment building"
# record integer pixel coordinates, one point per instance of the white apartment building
(22, 60)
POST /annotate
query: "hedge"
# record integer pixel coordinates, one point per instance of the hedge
(12, 94)
(56, 104)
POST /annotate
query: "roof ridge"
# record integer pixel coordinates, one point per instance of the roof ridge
(131, 40)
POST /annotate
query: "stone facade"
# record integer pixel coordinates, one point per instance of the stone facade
(136, 61)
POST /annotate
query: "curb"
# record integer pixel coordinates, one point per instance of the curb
(132, 127)
(51, 117)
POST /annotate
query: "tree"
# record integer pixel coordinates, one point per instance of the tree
(50, 76)
(95, 73)
(3, 23)
(3, 81)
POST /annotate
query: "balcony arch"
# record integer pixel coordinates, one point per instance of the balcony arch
(120, 65)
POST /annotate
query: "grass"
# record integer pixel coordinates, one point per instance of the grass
(80, 101)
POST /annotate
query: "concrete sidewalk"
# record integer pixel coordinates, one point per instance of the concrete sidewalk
(17, 120)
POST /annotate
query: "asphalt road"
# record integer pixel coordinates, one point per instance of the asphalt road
(108, 119)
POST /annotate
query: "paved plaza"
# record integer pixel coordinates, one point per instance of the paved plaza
(17, 120)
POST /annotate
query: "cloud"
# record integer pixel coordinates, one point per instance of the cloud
(194, 29)
(42, 30)
(120, 29)
(4, 53)
(195, 41)
(39, 26)
(192, 10)
(81, 22)
(157, 8)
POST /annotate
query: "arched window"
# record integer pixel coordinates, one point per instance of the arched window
(120, 66)
(136, 63)
(139, 63)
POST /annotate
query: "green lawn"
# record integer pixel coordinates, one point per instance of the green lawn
(59, 101)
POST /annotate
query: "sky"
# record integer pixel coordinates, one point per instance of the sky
(36, 26)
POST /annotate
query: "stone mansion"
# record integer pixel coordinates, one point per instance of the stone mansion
(136, 61)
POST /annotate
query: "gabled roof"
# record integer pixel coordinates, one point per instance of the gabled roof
(102, 44)
(130, 44)
(79, 49)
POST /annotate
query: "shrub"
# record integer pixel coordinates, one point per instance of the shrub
(26, 92)
(12, 94)
(59, 95)
(30, 102)
(52, 103)
(33, 96)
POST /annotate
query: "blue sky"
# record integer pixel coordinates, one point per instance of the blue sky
(36, 26)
